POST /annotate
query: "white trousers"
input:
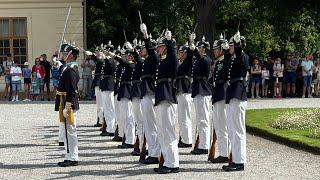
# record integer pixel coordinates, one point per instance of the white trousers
(219, 121)
(236, 111)
(126, 121)
(117, 112)
(137, 118)
(166, 133)
(149, 125)
(98, 94)
(72, 139)
(184, 117)
(202, 105)
(108, 110)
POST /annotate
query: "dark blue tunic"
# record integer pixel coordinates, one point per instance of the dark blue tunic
(107, 80)
(183, 83)
(136, 78)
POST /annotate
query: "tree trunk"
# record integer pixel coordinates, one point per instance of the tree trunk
(206, 18)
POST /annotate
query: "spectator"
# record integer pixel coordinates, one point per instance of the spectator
(255, 77)
(7, 64)
(307, 66)
(291, 75)
(88, 66)
(55, 76)
(26, 73)
(35, 86)
(15, 80)
(278, 77)
(46, 81)
(265, 76)
(40, 72)
(316, 72)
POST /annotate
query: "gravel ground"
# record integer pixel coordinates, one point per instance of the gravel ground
(28, 150)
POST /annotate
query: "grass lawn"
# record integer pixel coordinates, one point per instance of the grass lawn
(259, 121)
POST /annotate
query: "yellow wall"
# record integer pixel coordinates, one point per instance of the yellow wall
(45, 21)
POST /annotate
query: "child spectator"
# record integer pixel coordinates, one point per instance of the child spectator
(265, 76)
(278, 77)
(35, 86)
(16, 81)
(255, 77)
(26, 73)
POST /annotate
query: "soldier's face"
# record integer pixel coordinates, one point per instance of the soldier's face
(161, 49)
(182, 55)
(130, 57)
(143, 52)
(217, 53)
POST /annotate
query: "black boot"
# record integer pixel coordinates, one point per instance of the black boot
(98, 124)
(198, 151)
(220, 159)
(67, 163)
(233, 167)
(61, 143)
(183, 145)
(125, 146)
(117, 139)
(135, 152)
(151, 160)
(167, 170)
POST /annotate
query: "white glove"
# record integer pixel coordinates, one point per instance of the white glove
(111, 54)
(135, 42)
(88, 53)
(225, 45)
(65, 113)
(143, 28)
(237, 37)
(192, 46)
(192, 37)
(128, 45)
(168, 35)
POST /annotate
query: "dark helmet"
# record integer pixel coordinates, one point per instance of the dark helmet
(70, 48)
(184, 48)
(203, 44)
(108, 47)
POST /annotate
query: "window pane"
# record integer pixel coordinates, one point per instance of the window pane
(16, 43)
(16, 59)
(16, 51)
(23, 43)
(1, 52)
(23, 59)
(19, 27)
(23, 51)
(6, 51)
(4, 27)
(1, 43)
(6, 43)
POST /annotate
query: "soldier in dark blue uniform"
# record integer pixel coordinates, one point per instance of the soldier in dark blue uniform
(107, 92)
(236, 98)
(221, 54)
(201, 92)
(149, 65)
(183, 86)
(67, 103)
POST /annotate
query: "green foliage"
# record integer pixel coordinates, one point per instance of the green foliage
(269, 26)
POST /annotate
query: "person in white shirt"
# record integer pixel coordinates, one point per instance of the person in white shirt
(278, 77)
(16, 81)
(307, 66)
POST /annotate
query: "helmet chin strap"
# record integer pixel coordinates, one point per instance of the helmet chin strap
(69, 53)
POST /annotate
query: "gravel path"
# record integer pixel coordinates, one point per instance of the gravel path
(28, 150)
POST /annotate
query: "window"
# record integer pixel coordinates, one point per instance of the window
(13, 39)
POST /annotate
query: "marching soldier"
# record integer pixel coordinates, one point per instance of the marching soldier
(67, 103)
(221, 54)
(236, 98)
(135, 97)
(98, 59)
(107, 93)
(201, 92)
(165, 98)
(183, 86)
(148, 98)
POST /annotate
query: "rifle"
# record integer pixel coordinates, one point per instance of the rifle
(212, 151)
(161, 161)
(143, 149)
(64, 31)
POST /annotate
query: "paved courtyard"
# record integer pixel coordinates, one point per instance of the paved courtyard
(28, 150)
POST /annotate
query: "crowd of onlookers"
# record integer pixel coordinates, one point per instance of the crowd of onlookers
(293, 76)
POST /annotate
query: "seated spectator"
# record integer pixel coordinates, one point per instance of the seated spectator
(291, 75)
(307, 66)
(16, 81)
(278, 77)
(255, 77)
(26, 73)
(265, 76)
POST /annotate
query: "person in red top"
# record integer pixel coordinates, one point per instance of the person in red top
(40, 71)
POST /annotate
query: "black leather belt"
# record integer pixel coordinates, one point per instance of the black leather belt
(136, 81)
(200, 78)
(182, 77)
(163, 80)
(219, 82)
(106, 76)
(146, 76)
(126, 82)
(235, 80)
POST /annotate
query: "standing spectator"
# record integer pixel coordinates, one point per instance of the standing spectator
(88, 66)
(55, 76)
(35, 86)
(291, 75)
(7, 64)
(316, 72)
(307, 65)
(40, 72)
(26, 73)
(278, 77)
(255, 77)
(15, 80)
(265, 76)
(46, 81)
